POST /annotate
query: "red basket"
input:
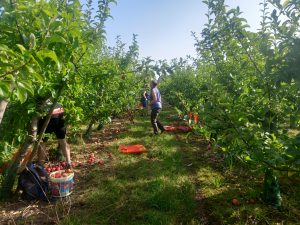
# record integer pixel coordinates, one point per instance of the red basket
(132, 149)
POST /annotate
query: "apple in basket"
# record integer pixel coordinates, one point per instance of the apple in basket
(68, 171)
(64, 174)
(61, 174)
(57, 175)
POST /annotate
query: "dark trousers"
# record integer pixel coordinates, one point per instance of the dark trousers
(155, 122)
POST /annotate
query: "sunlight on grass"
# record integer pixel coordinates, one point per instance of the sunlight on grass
(210, 178)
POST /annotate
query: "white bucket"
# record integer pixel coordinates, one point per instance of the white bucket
(63, 186)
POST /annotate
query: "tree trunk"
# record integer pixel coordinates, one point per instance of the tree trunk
(100, 126)
(3, 105)
(89, 129)
(11, 172)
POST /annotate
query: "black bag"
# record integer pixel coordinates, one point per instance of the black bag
(33, 181)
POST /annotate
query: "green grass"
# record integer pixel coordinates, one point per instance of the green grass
(173, 183)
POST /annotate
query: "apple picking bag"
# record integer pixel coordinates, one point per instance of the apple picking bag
(33, 181)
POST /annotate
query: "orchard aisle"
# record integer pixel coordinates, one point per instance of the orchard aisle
(174, 182)
(156, 187)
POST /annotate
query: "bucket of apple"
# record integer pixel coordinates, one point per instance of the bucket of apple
(61, 182)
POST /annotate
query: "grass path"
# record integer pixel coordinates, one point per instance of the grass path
(173, 183)
(152, 188)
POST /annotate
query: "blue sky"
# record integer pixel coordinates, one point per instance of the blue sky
(164, 26)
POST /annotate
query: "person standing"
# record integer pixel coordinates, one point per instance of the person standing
(144, 102)
(58, 127)
(156, 106)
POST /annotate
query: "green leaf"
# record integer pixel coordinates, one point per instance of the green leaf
(4, 89)
(54, 25)
(55, 39)
(21, 94)
(76, 43)
(39, 77)
(32, 41)
(30, 69)
(242, 119)
(230, 11)
(50, 54)
(11, 78)
(3, 47)
(247, 158)
(26, 86)
(22, 48)
(47, 12)
(273, 137)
